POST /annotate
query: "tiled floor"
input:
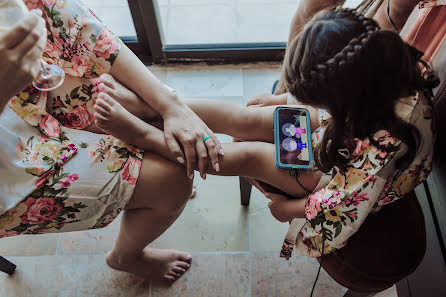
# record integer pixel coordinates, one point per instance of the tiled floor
(235, 248)
(209, 21)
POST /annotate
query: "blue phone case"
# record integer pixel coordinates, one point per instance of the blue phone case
(277, 140)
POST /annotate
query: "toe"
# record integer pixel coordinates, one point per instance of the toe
(186, 257)
(102, 104)
(183, 265)
(99, 118)
(108, 80)
(100, 110)
(178, 270)
(169, 277)
(106, 89)
(106, 97)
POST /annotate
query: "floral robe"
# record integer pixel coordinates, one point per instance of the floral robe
(56, 177)
(336, 211)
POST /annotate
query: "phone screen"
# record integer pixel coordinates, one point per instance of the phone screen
(294, 135)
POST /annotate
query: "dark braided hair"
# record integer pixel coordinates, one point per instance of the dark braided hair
(343, 62)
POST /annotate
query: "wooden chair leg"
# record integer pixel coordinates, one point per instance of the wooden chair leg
(245, 191)
(6, 266)
(351, 293)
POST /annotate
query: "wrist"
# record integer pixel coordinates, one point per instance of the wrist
(171, 105)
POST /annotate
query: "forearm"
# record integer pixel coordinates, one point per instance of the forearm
(400, 11)
(129, 70)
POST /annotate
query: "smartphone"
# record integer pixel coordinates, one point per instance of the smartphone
(292, 138)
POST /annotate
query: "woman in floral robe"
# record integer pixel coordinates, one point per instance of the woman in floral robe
(57, 177)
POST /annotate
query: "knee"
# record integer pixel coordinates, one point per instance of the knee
(177, 188)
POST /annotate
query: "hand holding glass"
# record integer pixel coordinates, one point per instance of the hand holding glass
(11, 12)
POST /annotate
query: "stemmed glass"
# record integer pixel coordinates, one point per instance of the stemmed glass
(50, 76)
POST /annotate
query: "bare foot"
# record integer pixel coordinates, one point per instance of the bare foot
(127, 98)
(153, 263)
(112, 118)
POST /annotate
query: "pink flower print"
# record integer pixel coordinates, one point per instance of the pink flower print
(367, 165)
(33, 4)
(50, 125)
(131, 170)
(80, 65)
(40, 210)
(73, 177)
(43, 179)
(361, 145)
(65, 184)
(105, 45)
(48, 3)
(352, 214)
(91, 11)
(79, 118)
(7, 233)
(312, 206)
(300, 130)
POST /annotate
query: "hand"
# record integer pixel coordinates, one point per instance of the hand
(267, 99)
(281, 207)
(20, 51)
(182, 125)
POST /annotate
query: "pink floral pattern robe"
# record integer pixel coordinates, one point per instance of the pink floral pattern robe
(55, 176)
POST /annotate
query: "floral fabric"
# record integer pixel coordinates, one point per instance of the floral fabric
(430, 3)
(335, 212)
(56, 177)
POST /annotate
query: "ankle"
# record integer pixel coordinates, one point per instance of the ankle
(118, 258)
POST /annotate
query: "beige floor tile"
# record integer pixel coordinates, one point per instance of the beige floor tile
(214, 221)
(88, 275)
(211, 275)
(29, 245)
(266, 233)
(275, 277)
(98, 241)
(205, 81)
(31, 278)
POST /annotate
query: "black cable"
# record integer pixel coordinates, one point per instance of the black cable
(295, 172)
(388, 16)
(320, 264)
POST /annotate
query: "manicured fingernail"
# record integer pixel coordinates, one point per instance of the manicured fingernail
(191, 176)
(180, 160)
(204, 176)
(221, 152)
(217, 167)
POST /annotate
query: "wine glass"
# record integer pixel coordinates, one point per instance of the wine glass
(50, 76)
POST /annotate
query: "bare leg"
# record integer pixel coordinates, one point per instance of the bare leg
(254, 159)
(155, 205)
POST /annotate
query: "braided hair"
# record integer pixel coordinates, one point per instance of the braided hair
(341, 61)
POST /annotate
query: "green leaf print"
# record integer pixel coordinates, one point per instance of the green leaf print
(93, 38)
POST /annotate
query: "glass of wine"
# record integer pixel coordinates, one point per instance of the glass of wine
(11, 12)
